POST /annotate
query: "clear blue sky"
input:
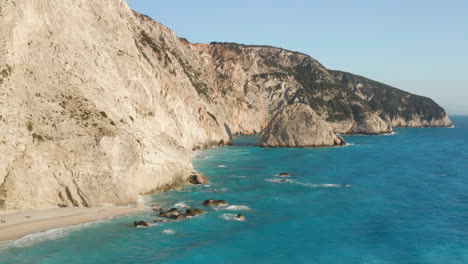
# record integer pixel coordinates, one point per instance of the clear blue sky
(416, 45)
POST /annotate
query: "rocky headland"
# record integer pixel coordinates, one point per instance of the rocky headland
(297, 125)
(100, 104)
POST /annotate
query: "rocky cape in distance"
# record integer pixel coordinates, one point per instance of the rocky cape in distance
(100, 104)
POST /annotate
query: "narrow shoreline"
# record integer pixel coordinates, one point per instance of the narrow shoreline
(15, 225)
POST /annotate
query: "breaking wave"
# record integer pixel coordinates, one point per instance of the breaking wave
(327, 185)
(230, 217)
(168, 231)
(238, 208)
(238, 177)
(282, 180)
(180, 204)
(48, 235)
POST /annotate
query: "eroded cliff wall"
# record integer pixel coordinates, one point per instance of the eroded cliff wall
(99, 104)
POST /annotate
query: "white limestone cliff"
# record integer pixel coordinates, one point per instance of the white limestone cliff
(297, 125)
(99, 104)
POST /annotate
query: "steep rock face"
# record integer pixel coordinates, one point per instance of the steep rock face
(100, 104)
(297, 125)
(86, 119)
(397, 107)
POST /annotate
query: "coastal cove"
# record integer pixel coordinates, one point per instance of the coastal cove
(406, 203)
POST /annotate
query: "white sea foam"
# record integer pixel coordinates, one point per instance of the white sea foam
(144, 200)
(390, 134)
(168, 231)
(221, 166)
(327, 185)
(211, 189)
(279, 180)
(237, 176)
(52, 234)
(222, 190)
(180, 204)
(230, 217)
(238, 208)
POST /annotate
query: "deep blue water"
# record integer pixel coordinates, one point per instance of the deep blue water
(408, 203)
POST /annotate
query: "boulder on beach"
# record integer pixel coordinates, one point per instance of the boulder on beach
(212, 202)
(141, 224)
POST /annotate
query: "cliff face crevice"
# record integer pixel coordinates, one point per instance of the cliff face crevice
(100, 104)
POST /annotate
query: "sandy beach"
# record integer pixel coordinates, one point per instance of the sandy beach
(17, 224)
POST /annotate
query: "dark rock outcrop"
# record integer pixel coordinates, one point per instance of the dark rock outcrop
(240, 217)
(198, 178)
(180, 217)
(212, 202)
(174, 212)
(194, 212)
(141, 224)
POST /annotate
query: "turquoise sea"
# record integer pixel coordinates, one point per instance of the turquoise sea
(408, 203)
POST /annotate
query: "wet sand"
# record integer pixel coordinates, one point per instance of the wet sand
(17, 224)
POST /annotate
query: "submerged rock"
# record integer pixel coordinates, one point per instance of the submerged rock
(297, 125)
(141, 223)
(284, 174)
(212, 202)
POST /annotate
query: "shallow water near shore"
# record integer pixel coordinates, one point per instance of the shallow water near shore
(384, 199)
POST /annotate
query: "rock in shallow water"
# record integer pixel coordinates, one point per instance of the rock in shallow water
(170, 213)
(240, 217)
(140, 224)
(212, 202)
(194, 212)
(198, 179)
(180, 217)
(297, 125)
